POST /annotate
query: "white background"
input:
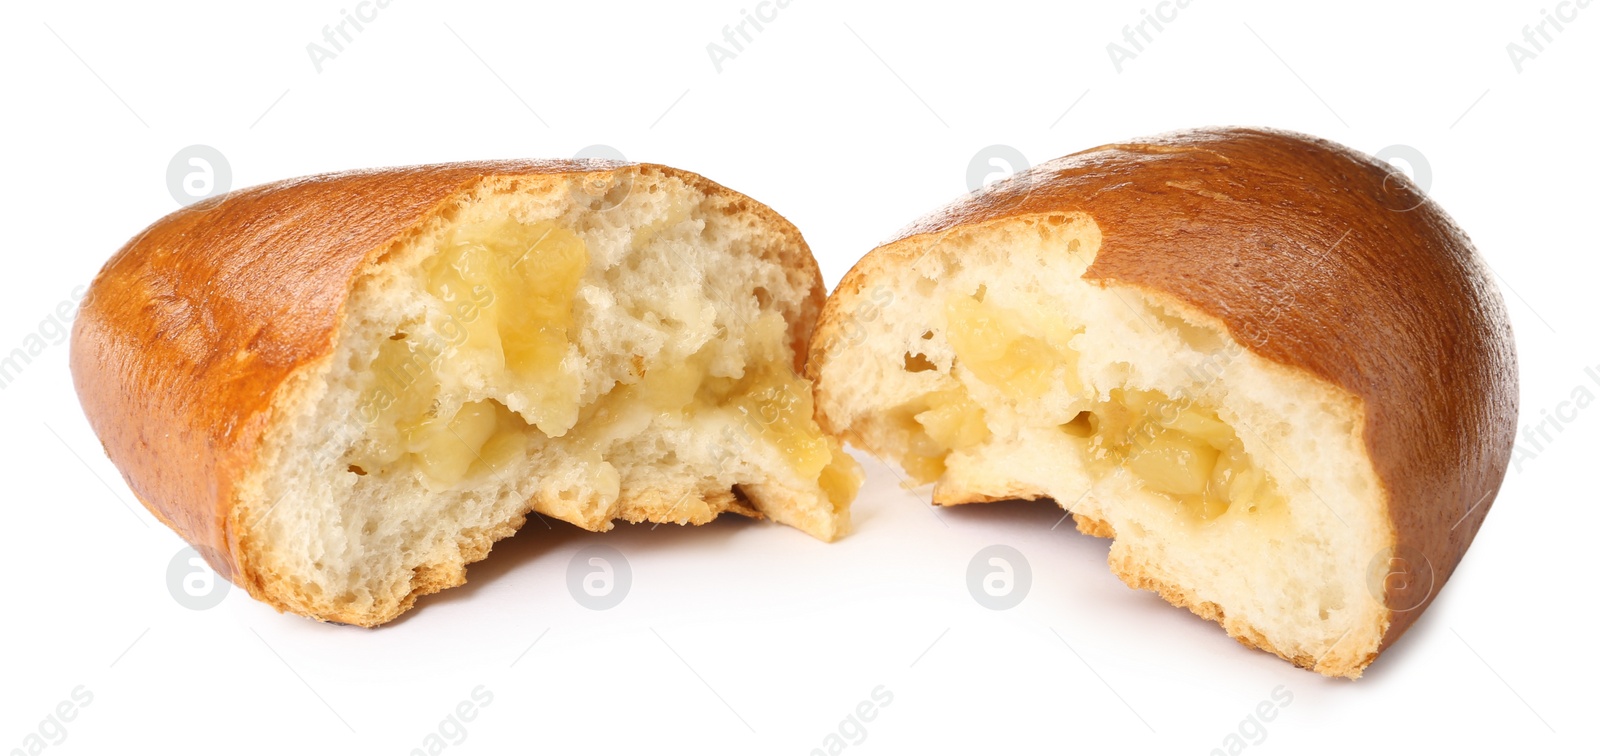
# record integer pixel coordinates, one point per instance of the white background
(851, 119)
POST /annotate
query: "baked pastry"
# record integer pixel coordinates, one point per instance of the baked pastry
(344, 388)
(1266, 365)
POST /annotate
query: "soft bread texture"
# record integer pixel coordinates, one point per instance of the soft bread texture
(343, 389)
(1289, 314)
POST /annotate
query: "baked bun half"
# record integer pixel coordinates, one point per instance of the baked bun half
(343, 389)
(1267, 366)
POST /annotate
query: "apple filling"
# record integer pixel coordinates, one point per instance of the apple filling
(1178, 449)
(1023, 356)
(778, 403)
(503, 320)
(936, 424)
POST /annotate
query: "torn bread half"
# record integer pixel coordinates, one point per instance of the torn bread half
(1267, 366)
(343, 389)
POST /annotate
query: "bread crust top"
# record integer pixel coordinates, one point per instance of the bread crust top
(188, 333)
(1321, 259)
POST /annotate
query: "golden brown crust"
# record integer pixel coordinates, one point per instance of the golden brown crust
(1090, 526)
(946, 494)
(190, 332)
(1318, 258)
